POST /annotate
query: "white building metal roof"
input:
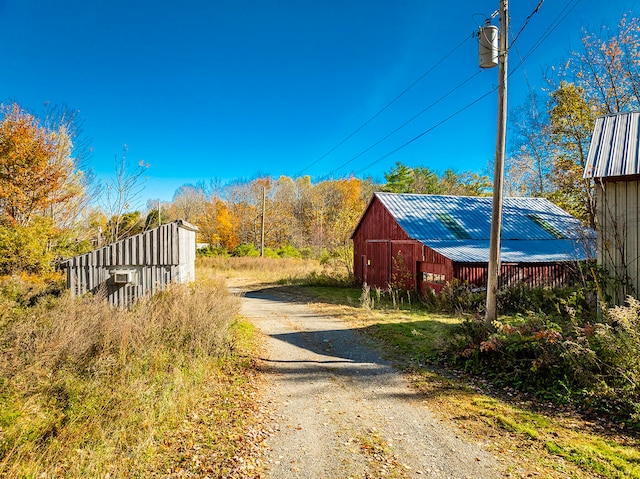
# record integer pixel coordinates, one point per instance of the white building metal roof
(534, 230)
(614, 149)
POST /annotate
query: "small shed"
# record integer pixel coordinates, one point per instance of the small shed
(613, 163)
(426, 241)
(136, 266)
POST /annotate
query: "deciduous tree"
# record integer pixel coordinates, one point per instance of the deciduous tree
(36, 170)
(572, 117)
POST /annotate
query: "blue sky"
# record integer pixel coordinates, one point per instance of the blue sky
(232, 90)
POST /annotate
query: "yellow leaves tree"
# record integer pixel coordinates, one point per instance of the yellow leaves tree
(227, 224)
(35, 166)
(217, 225)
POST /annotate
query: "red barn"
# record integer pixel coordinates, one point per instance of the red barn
(421, 241)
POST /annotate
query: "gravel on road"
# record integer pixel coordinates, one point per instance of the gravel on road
(338, 410)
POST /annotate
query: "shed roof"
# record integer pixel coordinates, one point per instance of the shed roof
(459, 227)
(614, 149)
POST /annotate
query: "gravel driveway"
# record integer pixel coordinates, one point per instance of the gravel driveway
(340, 411)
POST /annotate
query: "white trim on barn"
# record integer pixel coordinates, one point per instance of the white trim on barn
(135, 266)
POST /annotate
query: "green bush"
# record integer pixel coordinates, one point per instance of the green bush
(328, 278)
(246, 249)
(288, 251)
(269, 253)
(456, 297)
(26, 248)
(563, 302)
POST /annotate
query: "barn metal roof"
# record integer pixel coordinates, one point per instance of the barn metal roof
(614, 149)
(459, 227)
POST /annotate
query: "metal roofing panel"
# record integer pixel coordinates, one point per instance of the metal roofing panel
(614, 149)
(524, 235)
(419, 215)
(515, 251)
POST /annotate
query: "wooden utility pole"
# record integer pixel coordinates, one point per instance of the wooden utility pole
(493, 278)
(264, 202)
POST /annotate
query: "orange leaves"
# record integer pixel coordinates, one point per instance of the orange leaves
(34, 165)
(227, 224)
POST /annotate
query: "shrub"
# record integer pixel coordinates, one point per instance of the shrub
(456, 297)
(565, 357)
(210, 251)
(269, 253)
(288, 251)
(25, 248)
(564, 302)
(328, 278)
(246, 249)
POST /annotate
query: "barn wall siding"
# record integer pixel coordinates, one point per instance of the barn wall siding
(618, 219)
(155, 258)
(528, 274)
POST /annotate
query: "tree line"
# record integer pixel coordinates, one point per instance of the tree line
(314, 217)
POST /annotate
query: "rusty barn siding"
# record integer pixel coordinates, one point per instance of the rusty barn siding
(154, 258)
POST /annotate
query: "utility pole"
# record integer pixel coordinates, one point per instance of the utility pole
(493, 277)
(264, 202)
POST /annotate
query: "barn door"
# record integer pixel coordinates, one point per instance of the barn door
(378, 263)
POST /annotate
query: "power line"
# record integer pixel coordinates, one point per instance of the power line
(379, 112)
(552, 27)
(456, 113)
(564, 13)
(405, 123)
(526, 22)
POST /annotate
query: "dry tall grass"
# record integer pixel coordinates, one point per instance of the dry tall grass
(256, 270)
(87, 390)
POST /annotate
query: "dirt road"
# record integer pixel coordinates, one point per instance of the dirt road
(340, 411)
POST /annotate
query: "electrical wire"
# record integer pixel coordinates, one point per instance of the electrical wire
(379, 112)
(564, 13)
(552, 27)
(526, 22)
(407, 143)
(405, 123)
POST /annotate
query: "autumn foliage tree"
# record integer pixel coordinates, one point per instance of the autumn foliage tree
(34, 166)
(572, 117)
(37, 174)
